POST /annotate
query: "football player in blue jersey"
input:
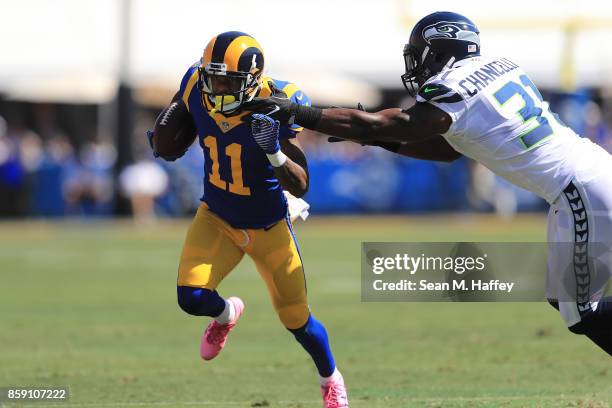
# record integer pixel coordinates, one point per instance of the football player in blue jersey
(248, 165)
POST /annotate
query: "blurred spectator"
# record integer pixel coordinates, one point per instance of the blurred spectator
(594, 125)
(58, 161)
(89, 189)
(488, 191)
(142, 182)
(13, 175)
(30, 151)
(185, 187)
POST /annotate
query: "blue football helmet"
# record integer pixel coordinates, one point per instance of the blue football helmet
(436, 42)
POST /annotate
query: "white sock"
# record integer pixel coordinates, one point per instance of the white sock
(227, 315)
(325, 380)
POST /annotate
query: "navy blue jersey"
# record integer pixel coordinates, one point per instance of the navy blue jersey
(239, 182)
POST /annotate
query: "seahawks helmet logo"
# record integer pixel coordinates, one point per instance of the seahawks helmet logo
(445, 30)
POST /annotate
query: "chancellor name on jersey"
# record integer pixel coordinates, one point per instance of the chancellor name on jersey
(239, 182)
(510, 128)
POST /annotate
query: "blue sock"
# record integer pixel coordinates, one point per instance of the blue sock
(313, 337)
(199, 301)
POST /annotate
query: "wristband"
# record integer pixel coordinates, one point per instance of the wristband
(277, 159)
(307, 116)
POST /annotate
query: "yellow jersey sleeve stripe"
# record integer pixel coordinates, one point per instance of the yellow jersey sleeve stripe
(235, 50)
(190, 84)
(290, 89)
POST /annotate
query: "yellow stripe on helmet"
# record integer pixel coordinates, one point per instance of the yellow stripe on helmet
(235, 50)
(207, 56)
(290, 89)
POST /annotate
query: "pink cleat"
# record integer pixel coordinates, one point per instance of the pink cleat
(334, 393)
(215, 335)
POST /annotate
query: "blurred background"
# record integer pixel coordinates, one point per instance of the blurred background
(81, 82)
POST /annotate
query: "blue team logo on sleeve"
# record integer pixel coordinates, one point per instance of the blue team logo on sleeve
(301, 98)
(297, 96)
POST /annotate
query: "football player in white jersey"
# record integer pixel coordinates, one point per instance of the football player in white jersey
(489, 110)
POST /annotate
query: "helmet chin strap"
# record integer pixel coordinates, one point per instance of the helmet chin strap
(249, 97)
(254, 90)
(424, 54)
(450, 63)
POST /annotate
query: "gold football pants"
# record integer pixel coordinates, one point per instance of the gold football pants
(213, 248)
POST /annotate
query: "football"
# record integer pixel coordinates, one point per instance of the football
(174, 130)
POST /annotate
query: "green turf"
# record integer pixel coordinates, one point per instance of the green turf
(93, 306)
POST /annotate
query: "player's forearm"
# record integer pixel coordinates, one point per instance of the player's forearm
(353, 124)
(434, 149)
(347, 123)
(390, 125)
(292, 178)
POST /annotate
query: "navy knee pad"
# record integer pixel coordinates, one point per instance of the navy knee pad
(199, 301)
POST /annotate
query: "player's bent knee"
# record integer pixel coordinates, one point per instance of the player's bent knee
(186, 300)
(294, 316)
(199, 301)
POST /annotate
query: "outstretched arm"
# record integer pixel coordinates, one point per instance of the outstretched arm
(435, 148)
(420, 122)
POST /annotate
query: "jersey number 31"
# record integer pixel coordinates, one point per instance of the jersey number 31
(535, 134)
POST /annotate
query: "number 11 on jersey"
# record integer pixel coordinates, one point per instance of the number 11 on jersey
(234, 152)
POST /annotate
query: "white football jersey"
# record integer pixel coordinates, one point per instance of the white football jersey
(500, 120)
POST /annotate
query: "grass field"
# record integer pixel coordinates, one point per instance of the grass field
(92, 306)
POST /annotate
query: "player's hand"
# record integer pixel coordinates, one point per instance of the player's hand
(150, 135)
(265, 132)
(277, 105)
(150, 138)
(281, 109)
(336, 139)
